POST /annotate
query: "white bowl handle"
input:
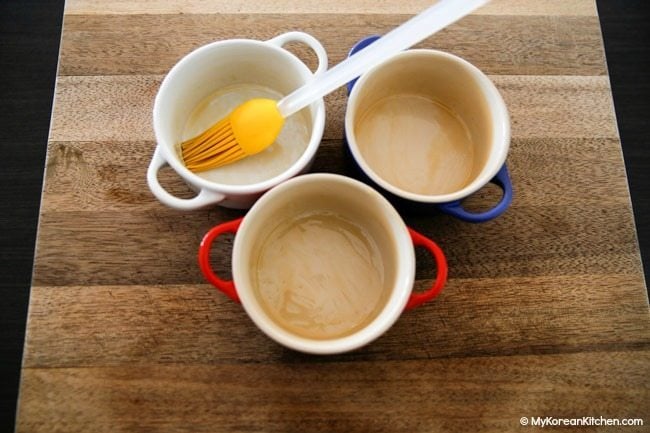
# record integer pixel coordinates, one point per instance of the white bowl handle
(308, 40)
(203, 198)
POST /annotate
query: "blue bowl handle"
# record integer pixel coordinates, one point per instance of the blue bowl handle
(363, 43)
(502, 180)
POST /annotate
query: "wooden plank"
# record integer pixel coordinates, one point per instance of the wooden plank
(144, 44)
(109, 175)
(495, 7)
(485, 394)
(81, 326)
(118, 108)
(160, 245)
(107, 108)
(558, 106)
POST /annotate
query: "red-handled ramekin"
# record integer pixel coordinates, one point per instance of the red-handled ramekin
(327, 193)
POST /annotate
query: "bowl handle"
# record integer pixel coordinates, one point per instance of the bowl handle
(419, 298)
(226, 286)
(308, 40)
(203, 198)
(502, 180)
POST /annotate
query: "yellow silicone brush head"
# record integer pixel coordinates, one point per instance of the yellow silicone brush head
(247, 130)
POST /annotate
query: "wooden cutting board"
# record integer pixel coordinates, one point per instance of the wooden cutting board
(545, 313)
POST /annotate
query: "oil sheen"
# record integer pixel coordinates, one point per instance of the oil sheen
(274, 160)
(416, 144)
(320, 276)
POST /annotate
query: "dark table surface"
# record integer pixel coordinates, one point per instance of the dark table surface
(29, 40)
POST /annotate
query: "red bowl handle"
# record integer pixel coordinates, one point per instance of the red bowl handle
(226, 286)
(419, 298)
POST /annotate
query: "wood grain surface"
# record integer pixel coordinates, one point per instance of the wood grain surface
(160, 7)
(545, 312)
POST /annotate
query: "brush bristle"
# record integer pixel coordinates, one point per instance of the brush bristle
(213, 148)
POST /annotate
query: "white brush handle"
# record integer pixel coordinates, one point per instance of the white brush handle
(408, 34)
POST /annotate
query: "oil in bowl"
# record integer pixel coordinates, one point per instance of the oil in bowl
(274, 160)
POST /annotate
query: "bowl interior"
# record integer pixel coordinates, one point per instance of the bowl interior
(315, 196)
(427, 78)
